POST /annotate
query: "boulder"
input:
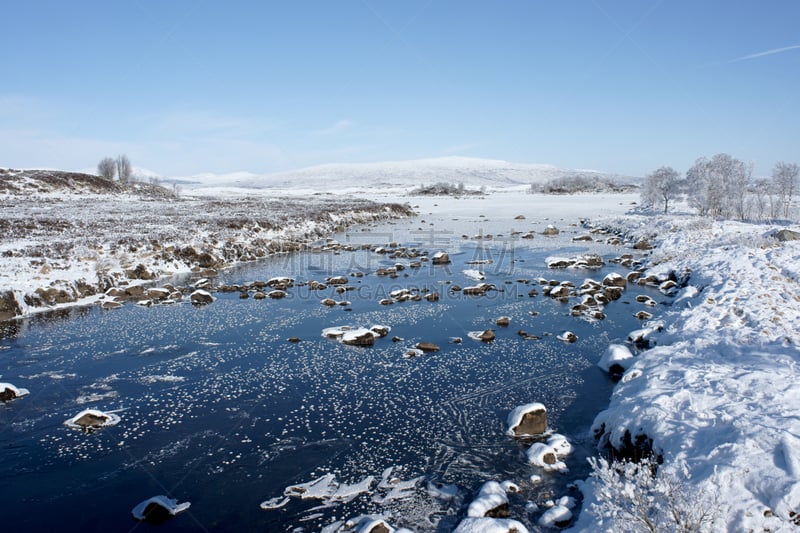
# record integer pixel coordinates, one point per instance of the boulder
(110, 304)
(135, 292)
(91, 419)
(158, 294)
(490, 502)
(10, 392)
(9, 306)
(786, 235)
(201, 297)
(440, 258)
(613, 293)
(567, 336)
(277, 294)
(550, 230)
(503, 321)
(494, 525)
(486, 335)
(427, 347)
(359, 337)
(140, 272)
(528, 419)
(614, 280)
(380, 331)
(643, 244)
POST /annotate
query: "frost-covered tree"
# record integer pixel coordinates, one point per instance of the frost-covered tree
(660, 187)
(106, 168)
(124, 168)
(785, 176)
(718, 186)
(646, 497)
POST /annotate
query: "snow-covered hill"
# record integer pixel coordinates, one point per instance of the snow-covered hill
(473, 172)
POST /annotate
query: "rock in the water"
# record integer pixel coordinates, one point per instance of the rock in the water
(503, 321)
(201, 297)
(359, 337)
(10, 392)
(486, 335)
(528, 419)
(427, 347)
(432, 297)
(614, 280)
(90, 419)
(381, 331)
(491, 501)
(110, 304)
(550, 230)
(440, 258)
(567, 336)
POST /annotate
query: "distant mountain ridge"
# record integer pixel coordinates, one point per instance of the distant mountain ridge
(401, 174)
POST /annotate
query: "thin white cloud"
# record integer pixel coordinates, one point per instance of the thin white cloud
(338, 128)
(765, 53)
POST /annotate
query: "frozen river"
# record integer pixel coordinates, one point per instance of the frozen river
(217, 408)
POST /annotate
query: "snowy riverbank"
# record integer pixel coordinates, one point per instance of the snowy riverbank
(62, 245)
(718, 393)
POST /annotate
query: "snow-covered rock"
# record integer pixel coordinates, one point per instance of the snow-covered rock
(490, 525)
(616, 359)
(90, 419)
(491, 501)
(201, 297)
(10, 392)
(526, 420)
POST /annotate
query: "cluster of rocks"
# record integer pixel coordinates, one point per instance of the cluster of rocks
(490, 510)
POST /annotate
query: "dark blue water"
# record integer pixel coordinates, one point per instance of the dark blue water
(218, 409)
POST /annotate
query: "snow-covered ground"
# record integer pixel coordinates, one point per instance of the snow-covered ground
(718, 393)
(61, 244)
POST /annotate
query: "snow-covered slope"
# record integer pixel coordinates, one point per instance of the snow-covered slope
(718, 395)
(491, 173)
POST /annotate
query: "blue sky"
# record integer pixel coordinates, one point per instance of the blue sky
(186, 87)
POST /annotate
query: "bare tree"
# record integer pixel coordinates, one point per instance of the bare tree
(124, 169)
(661, 186)
(785, 176)
(106, 168)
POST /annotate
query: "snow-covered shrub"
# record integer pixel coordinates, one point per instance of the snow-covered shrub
(647, 497)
